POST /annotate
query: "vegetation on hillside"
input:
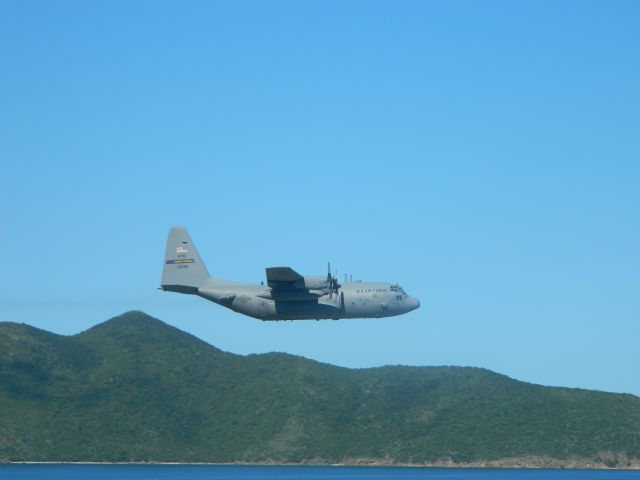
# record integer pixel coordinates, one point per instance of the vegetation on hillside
(136, 389)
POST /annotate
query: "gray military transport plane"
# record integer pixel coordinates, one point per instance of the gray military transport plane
(287, 295)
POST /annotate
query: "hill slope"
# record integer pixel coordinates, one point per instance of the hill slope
(136, 389)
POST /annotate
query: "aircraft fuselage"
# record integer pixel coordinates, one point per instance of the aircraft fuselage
(287, 294)
(352, 300)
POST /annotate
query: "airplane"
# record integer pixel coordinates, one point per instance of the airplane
(287, 295)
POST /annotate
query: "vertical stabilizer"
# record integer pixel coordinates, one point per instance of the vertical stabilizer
(183, 270)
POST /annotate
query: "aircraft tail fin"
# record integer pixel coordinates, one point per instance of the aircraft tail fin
(183, 270)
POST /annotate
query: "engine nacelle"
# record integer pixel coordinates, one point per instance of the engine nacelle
(314, 282)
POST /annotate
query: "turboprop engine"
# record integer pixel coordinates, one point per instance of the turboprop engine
(316, 282)
(307, 287)
(328, 284)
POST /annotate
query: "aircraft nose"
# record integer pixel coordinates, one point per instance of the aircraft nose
(414, 303)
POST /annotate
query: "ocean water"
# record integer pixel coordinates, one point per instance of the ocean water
(233, 472)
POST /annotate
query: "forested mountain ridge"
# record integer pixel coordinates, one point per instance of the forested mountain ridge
(136, 389)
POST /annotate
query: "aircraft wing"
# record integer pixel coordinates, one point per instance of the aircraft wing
(287, 285)
(284, 278)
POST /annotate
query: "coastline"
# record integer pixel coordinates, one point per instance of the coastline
(525, 463)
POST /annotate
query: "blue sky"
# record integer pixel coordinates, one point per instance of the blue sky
(485, 155)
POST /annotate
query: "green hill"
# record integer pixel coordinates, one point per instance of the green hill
(136, 389)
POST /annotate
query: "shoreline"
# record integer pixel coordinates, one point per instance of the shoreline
(504, 464)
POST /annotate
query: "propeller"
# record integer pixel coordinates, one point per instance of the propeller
(332, 281)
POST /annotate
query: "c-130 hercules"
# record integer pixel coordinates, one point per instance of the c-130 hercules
(287, 295)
